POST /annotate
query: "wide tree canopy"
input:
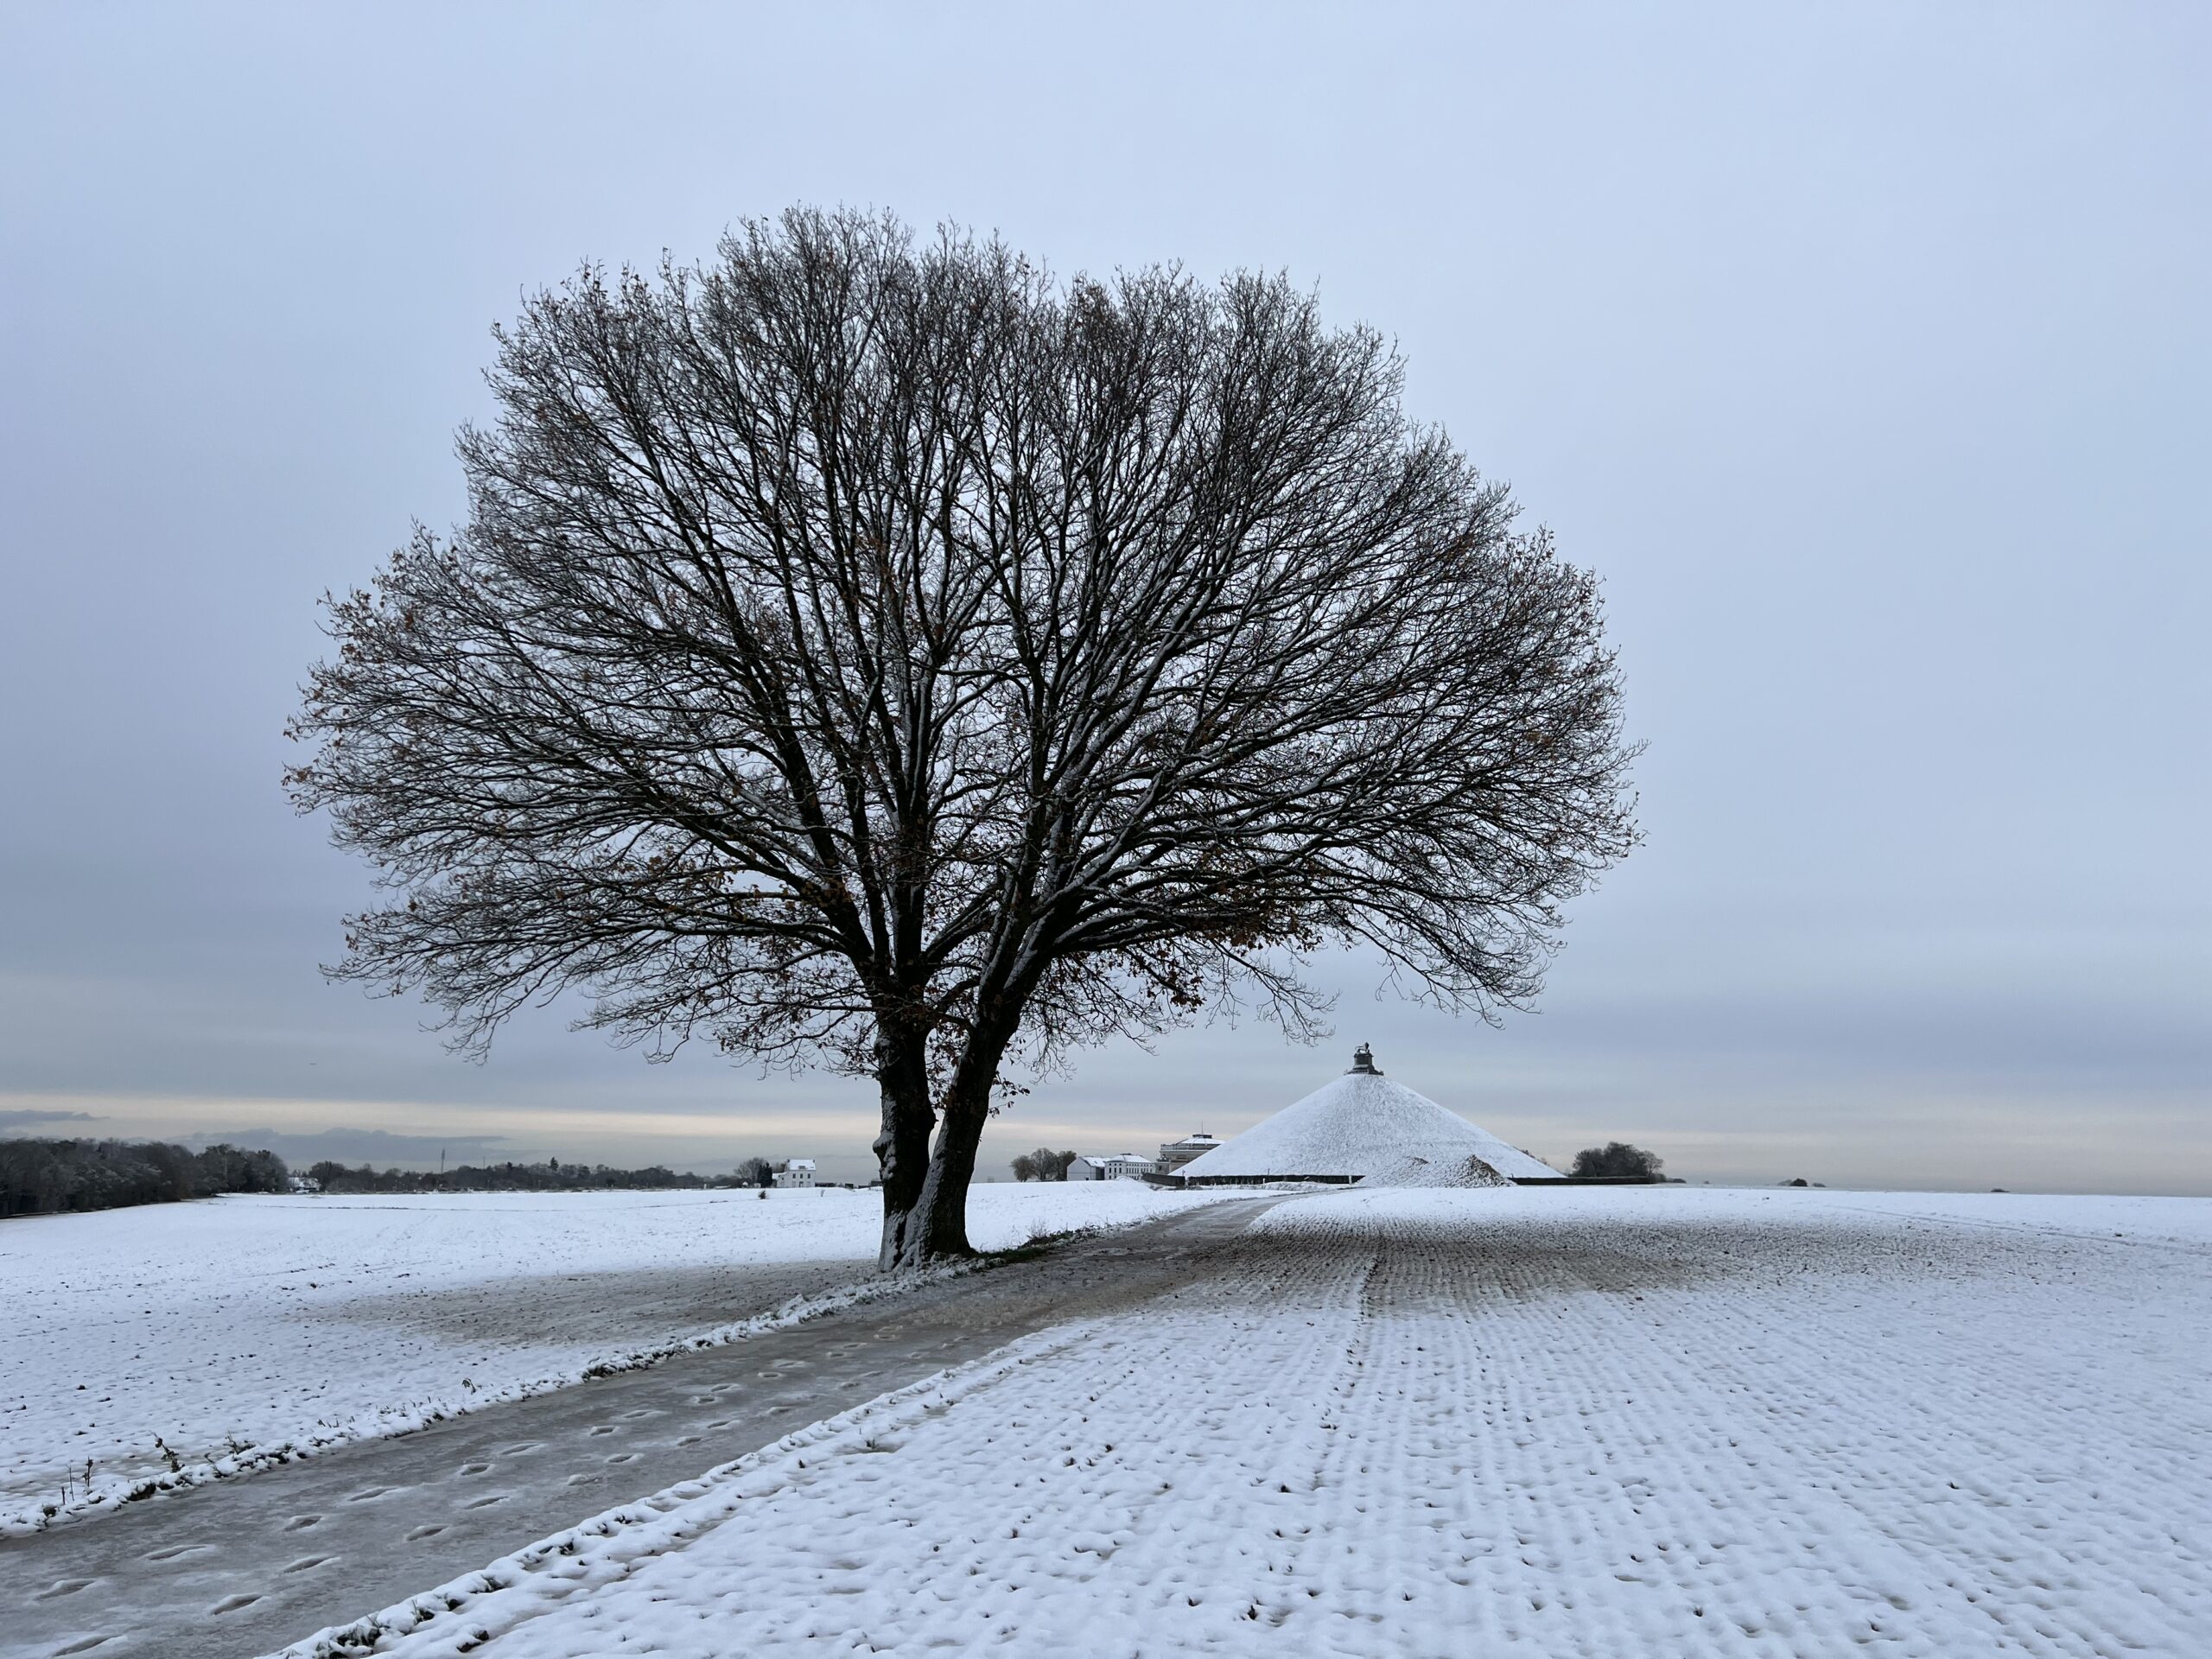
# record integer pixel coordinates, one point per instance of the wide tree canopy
(877, 651)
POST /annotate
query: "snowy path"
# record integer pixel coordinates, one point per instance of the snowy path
(242, 1332)
(1561, 1422)
(239, 1566)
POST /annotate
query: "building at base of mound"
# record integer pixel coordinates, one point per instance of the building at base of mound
(1364, 1128)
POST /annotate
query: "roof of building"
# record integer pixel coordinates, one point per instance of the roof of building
(1363, 1125)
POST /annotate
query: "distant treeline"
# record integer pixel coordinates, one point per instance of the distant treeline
(44, 1178)
(551, 1176)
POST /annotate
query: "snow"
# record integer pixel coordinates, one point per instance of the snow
(244, 1330)
(1364, 1123)
(2144, 1220)
(1545, 1422)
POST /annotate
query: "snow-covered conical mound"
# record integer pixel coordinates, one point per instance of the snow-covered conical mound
(1366, 1127)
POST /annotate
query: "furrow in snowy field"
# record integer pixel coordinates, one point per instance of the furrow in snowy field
(1565, 1423)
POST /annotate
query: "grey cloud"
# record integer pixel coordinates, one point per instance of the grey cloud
(1860, 350)
(352, 1145)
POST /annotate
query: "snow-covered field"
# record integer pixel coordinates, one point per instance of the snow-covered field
(1591, 1422)
(244, 1329)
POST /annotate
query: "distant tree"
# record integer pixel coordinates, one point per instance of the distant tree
(1616, 1157)
(1025, 1166)
(756, 1172)
(45, 1177)
(1051, 1166)
(889, 655)
(225, 1168)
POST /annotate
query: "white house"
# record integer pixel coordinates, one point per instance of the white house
(1109, 1166)
(799, 1172)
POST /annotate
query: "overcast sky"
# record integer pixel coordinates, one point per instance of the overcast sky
(1863, 349)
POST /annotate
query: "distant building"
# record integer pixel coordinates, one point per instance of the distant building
(1109, 1166)
(799, 1172)
(1365, 1127)
(1173, 1154)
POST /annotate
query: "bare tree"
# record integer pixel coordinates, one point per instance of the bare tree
(1047, 1165)
(881, 653)
(1618, 1159)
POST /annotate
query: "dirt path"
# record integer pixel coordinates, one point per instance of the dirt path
(242, 1567)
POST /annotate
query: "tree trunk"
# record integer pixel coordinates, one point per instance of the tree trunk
(902, 1150)
(952, 1167)
(935, 1227)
